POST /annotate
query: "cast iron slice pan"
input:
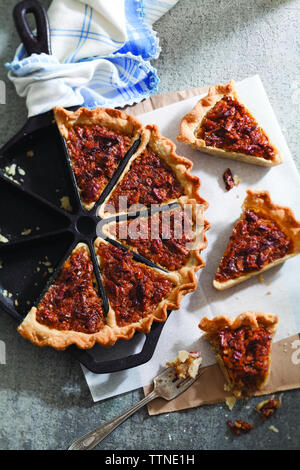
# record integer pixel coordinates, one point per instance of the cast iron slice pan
(35, 177)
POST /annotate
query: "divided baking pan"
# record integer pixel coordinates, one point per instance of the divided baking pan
(35, 178)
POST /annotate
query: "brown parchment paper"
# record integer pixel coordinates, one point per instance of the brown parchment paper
(209, 389)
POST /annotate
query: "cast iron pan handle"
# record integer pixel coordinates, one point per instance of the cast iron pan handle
(33, 43)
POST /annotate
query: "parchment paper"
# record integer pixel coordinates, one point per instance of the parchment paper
(278, 294)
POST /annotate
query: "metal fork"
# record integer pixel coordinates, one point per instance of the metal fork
(166, 385)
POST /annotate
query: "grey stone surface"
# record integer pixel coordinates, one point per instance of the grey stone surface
(44, 400)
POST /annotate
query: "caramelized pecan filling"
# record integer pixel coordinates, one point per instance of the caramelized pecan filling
(72, 302)
(229, 126)
(246, 355)
(268, 407)
(133, 290)
(149, 181)
(239, 426)
(255, 242)
(95, 153)
(163, 237)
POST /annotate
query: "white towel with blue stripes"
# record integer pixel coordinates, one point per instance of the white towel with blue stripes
(100, 55)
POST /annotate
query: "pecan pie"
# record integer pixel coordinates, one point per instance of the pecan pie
(221, 125)
(97, 141)
(137, 294)
(265, 235)
(123, 285)
(166, 238)
(156, 176)
(71, 311)
(242, 347)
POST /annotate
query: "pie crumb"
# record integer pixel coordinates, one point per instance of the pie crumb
(236, 180)
(261, 279)
(186, 364)
(26, 231)
(3, 239)
(272, 428)
(238, 426)
(65, 203)
(230, 402)
(30, 153)
(267, 408)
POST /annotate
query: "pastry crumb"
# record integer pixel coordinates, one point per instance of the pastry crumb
(65, 203)
(11, 169)
(236, 180)
(230, 402)
(26, 231)
(30, 153)
(261, 279)
(3, 239)
(21, 171)
(186, 364)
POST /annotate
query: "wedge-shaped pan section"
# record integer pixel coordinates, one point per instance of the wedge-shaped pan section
(154, 176)
(138, 294)
(71, 311)
(97, 141)
(172, 238)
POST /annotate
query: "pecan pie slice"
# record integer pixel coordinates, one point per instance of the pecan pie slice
(265, 235)
(97, 141)
(242, 347)
(222, 126)
(156, 176)
(71, 310)
(137, 294)
(171, 239)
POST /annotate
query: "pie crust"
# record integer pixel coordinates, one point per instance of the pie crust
(260, 202)
(250, 319)
(179, 166)
(191, 122)
(110, 119)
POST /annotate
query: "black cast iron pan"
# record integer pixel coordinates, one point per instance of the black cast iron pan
(35, 178)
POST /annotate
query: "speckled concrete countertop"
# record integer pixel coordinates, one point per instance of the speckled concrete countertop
(44, 400)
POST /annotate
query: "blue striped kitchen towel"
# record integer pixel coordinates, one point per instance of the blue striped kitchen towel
(101, 52)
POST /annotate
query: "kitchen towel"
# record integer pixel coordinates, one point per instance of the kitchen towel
(101, 54)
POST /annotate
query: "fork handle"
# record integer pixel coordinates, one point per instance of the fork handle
(90, 440)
